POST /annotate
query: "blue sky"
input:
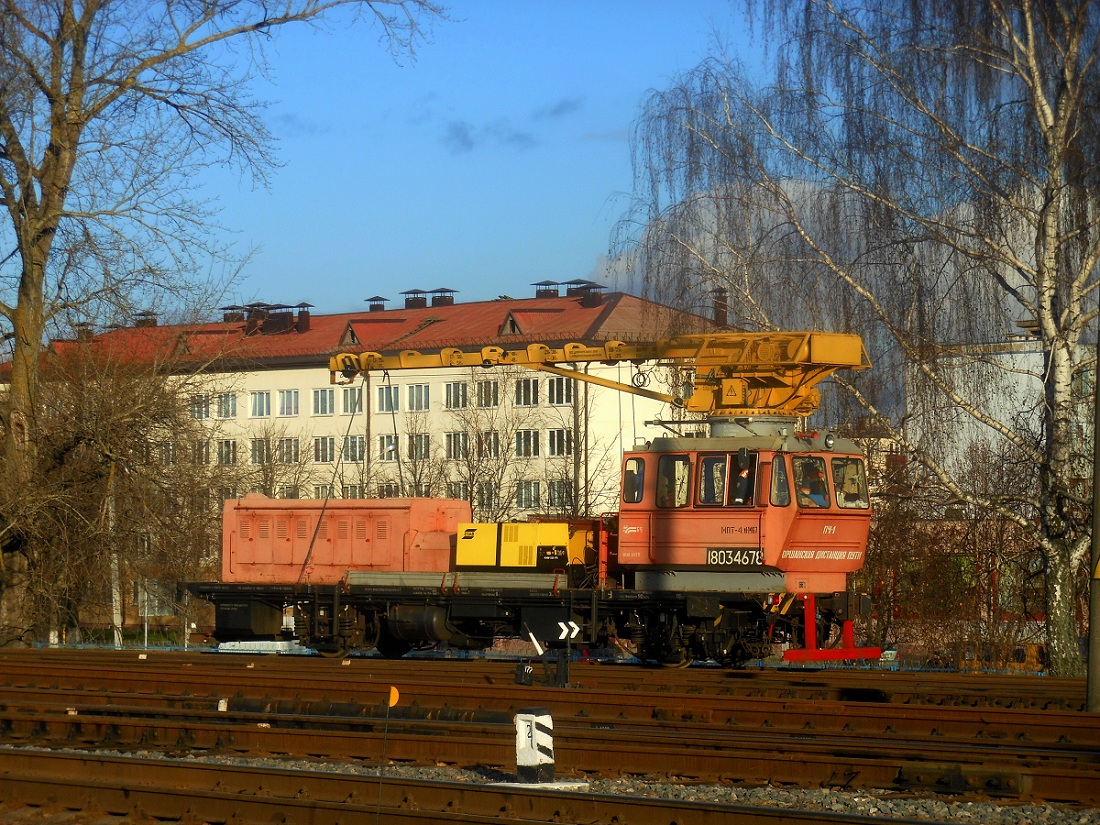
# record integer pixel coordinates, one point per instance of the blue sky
(498, 157)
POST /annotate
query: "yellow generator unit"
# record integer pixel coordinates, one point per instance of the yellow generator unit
(534, 547)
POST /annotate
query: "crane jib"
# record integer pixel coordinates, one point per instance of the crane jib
(727, 373)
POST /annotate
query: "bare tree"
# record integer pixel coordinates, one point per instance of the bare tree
(925, 174)
(107, 109)
(118, 493)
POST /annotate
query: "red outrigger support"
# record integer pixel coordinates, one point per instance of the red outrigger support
(812, 653)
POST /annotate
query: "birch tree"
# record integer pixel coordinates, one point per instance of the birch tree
(926, 175)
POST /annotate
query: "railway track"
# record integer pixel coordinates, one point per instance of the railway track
(73, 667)
(105, 789)
(337, 710)
(1057, 772)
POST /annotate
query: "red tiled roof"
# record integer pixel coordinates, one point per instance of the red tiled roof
(231, 345)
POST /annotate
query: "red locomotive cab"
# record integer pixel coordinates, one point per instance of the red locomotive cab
(752, 517)
(819, 518)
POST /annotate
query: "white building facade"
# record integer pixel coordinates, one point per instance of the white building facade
(513, 442)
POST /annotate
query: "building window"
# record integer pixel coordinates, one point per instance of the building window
(561, 494)
(459, 490)
(561, 442)
(353, 400)
(458, 446)
(527, 443)
(200, 452)
(527, 495)
(354, 491)
(527, 392)
(260, 405)
(226, 405)
(559, 390)
(488, 444)
(288, 451)
(387, 399)
(200, 407)
(488, 495)
(418, 397)
(226, 493)
(261, 451)
(324, 449)
(227, 451)
(322, 491)
(388, 489)
(420, 446)
(455, 395)
(488, 394)
(324, 402)
(288, 403)
(287, 491)
(387, 448)
(355, 448)
(422, 489)
(166, 453)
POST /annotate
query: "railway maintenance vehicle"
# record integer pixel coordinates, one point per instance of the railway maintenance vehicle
(725, 547)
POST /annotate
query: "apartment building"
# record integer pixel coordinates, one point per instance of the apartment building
(514, 442)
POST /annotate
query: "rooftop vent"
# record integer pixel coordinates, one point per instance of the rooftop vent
(145, 319)
(376, 304)
(443, 297)
(83, 331)
(415, 299)
(546, 289)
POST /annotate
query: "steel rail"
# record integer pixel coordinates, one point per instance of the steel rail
(862, 685)
(175, 790)
(1053, 773)
(596, 706)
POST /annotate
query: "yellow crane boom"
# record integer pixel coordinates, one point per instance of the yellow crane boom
(727, 373)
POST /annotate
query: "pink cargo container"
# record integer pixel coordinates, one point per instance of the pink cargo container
(268, 540)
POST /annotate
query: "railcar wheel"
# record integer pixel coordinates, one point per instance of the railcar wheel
(678, 662)
(390, 647)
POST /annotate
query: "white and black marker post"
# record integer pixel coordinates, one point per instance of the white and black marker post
(534, 745)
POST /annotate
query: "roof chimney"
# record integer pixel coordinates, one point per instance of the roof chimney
(376, 304)
(257, 314)
(278, 319)
(1030, 327)
(83, 331)
(577, 287)
(591, 295)
(415, 299)
(145, 319)
(303, 317)
(443, 297)
(546, 289)
(721, 307)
